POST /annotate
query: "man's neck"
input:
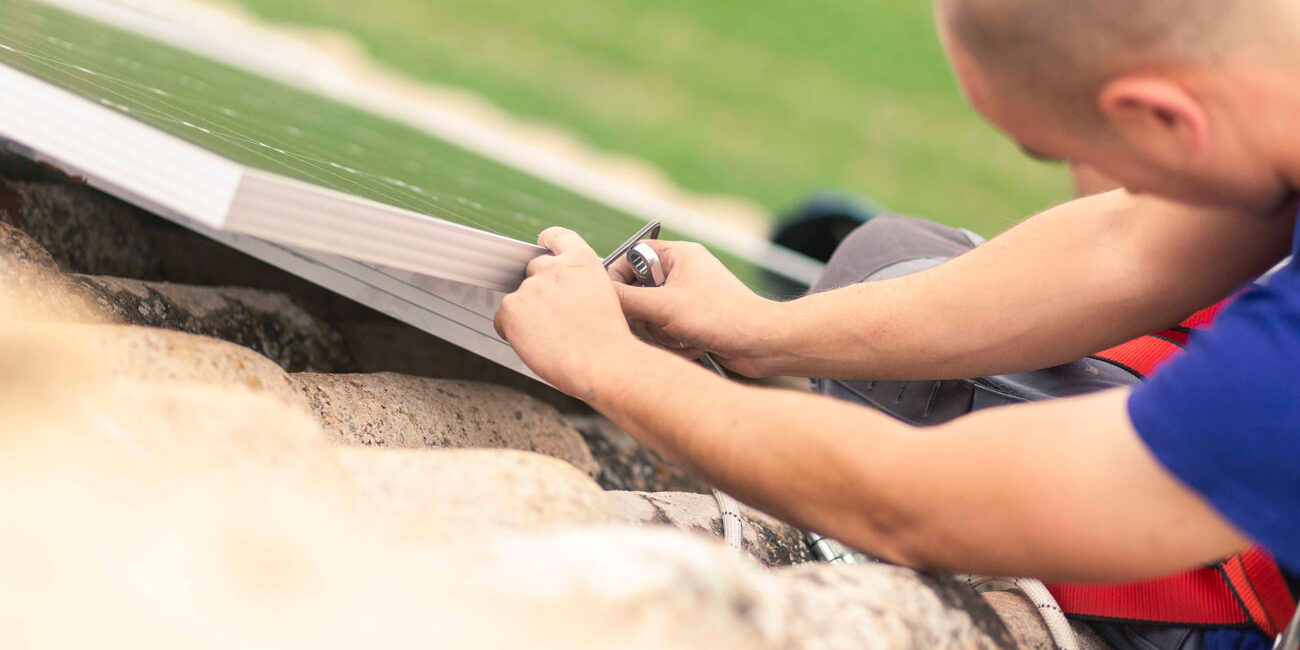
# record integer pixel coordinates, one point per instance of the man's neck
(1275, 108)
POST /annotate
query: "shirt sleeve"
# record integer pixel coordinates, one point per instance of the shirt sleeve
(1224, 417)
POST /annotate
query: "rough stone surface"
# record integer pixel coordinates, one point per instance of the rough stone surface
(179, 417)
(17, 168)
(33, 286)
(1028, 628)
(164, 357)
(441, 494)
(768, 540)
(143, 405)
(393, 410)
(384, 344)
(85, 230)
(265, 531)
(879, 606)
(18, 247)
(21, 258)
(626, 464)
(267, 322)
(190, 258)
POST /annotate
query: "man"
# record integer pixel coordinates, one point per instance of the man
(1193, 106)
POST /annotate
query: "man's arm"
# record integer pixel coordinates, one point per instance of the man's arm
(1061, 490)
(1066, 283)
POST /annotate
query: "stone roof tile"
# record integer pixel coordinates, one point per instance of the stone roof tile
(387, 409)
(265, 321)
(84, 230)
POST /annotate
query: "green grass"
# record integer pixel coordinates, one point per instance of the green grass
(766, 99)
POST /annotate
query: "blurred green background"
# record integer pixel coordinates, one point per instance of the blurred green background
(764, 99)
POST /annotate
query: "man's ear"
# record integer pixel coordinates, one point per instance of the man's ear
(1156, 112)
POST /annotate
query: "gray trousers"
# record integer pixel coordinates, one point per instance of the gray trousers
(891, 246)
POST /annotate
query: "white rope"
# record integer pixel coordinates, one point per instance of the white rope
(1051, 612)
(733, 530)
(1048, 609)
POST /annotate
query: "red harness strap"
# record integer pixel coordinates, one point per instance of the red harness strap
(1245, 589)
(1261, 589)
(1143, 355)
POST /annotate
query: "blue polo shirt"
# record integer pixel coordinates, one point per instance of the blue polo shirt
(1224, 417)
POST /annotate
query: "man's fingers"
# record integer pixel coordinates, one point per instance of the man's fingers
(639, 302)
(662, 246)
(562, 240)
(538, 264)
(674, 253)
(689, 354)
(621, 272)
(657, 337)
(498, 322)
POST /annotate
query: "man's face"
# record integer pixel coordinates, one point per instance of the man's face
(1222, 171)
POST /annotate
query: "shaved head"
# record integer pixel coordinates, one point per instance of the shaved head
(1068, 49)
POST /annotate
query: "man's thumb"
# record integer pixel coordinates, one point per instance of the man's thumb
(644, 303)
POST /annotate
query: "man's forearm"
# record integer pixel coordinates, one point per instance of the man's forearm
(1055, 490)
(1069, 282)
(782, 451)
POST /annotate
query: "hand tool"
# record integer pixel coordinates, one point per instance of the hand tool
(650, 272)
(650, 231)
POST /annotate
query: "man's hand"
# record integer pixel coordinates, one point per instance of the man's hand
(565, 315)
(700, 308)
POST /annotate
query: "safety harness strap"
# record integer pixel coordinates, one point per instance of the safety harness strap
(1199, 597)
(1143, 355)
(1245, 589)
(1258, 584)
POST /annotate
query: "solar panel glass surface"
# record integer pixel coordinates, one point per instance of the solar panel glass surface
(269, 125)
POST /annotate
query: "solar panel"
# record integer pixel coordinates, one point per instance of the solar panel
(234, 154)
